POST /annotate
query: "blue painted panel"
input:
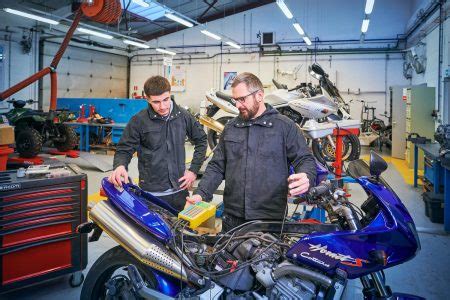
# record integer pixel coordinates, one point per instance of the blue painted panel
(120, 110)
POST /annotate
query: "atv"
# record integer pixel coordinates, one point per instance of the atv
(33, 129)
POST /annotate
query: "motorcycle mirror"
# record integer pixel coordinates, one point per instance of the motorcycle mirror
(316, 71)
(377, 164)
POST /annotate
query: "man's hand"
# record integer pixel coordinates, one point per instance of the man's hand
(118, 175)
(192, 200)
(298, 184)
(187, 181)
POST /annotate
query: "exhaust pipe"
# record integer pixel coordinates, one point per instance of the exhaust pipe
(211, 123)
(136, 241)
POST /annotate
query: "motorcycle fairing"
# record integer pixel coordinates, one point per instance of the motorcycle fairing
(134, 207)
(392, 230)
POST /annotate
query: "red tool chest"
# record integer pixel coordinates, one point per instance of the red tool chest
(38, 221)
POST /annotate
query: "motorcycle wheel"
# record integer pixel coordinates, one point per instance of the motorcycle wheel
(28, 142)
(324, 152)
(70, 138)
(213, 137)
(105, 267)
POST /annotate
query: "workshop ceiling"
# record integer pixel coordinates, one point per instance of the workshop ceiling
(149, 23)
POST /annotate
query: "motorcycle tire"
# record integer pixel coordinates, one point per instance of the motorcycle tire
(70, 138)
(28, 142)
(213, 137)
(104, 267)
(351, 151)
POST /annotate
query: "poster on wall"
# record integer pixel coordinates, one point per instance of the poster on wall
(228, 78)
(177, 79)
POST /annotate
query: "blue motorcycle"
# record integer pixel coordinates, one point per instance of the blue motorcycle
(158, 257)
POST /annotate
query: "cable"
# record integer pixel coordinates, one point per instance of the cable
(284, 219)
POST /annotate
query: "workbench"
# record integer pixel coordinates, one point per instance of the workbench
(85, 129)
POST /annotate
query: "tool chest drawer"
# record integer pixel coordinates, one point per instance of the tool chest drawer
(38, 221)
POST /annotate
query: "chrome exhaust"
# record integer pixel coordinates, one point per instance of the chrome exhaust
(211, 123)
(135, 240)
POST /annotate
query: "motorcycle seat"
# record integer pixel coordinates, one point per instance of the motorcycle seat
(225, 97)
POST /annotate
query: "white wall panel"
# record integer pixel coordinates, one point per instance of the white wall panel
(86, 73)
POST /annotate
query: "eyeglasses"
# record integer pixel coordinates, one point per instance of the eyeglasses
(242, 99)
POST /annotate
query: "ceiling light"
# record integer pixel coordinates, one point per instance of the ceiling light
(30, 16)
(211, 35)
(307, 40)
(298, 28)
(369, 6)
(284, 9)
(179, 20)
(234, 45)
(140, 45)
(141, 3)
(365, 25)
(92, 32)
(165, 51)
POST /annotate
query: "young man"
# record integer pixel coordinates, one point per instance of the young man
(158, 134)
(254, 155)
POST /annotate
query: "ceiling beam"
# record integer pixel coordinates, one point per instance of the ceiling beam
(213, 17)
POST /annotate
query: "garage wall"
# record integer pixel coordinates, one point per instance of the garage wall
(17, 65)
(429, 34)
(335, 23)
(358, 76)
(86, 73)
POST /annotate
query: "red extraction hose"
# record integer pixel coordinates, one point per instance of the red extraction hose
(102, 11)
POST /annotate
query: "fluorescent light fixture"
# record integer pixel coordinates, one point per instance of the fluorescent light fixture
(140, 45)
(30, 16)
(307, 40)
(165, 51)
(211, 35)
(369, 6)
(141, 3)
(284, 9)
(92, 32)
(365, 25)
(179, 20)
(299, 28)
(234, 45)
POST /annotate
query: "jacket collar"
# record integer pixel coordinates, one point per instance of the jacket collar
(264, 120)
(175, 112)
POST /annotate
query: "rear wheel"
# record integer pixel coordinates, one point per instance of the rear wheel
(67, 138)
(325, 152)
(213, 136)
(108, 279)
(28, 142)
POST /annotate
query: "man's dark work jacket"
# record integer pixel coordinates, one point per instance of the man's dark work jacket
(159, 142)
(254, 157)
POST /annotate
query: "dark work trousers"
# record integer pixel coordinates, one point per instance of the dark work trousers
(177, 200)
(230, 222)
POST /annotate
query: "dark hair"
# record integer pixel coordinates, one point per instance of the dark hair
(251, 81)
(156, 85)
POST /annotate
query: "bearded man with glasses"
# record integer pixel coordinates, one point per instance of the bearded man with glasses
(254, 155)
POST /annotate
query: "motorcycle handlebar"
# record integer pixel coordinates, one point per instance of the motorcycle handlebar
(322, 189)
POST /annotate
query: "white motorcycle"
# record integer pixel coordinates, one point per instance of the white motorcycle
(316, 115)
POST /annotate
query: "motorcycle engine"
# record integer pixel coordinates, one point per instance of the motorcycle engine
(251, 281)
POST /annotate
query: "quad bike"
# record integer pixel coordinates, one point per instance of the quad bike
(33, 129)
(159, 257)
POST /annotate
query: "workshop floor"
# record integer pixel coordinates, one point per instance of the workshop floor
(426, 275)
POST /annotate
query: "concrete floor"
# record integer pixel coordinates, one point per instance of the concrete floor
(426, 275)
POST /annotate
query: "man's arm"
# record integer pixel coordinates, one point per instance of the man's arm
(197, 135)
(299, 155)
(214, 173)
(128, 144)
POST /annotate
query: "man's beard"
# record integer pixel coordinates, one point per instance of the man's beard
(248, 114)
